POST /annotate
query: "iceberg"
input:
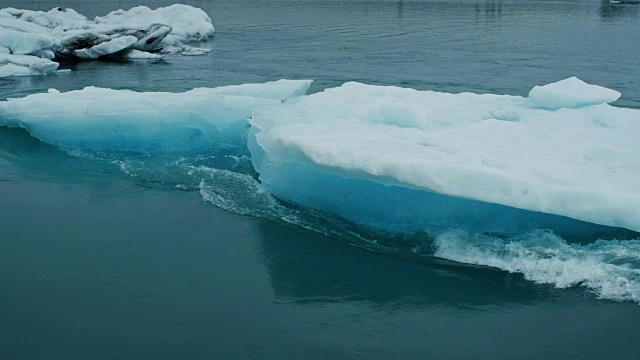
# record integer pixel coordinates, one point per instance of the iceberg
(64, 33)
(397, 158)
(98, 119)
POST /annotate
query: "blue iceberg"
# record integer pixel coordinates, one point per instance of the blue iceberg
(397, 158)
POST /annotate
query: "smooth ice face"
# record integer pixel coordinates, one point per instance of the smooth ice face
(99, 119)
(393, 157)
(141, 55)
(571, 93)
(64, 33)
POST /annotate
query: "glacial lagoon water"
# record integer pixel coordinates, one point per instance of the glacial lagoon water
(111, 256)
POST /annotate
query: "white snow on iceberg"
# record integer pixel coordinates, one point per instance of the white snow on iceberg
(100, 119)
(64, 33)
(395, 158)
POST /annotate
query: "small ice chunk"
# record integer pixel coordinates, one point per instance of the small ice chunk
(180, 48)
(142, 55)
(571, 93)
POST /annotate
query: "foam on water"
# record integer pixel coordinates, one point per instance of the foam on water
(238, 193)
(242, 194)
(608, 268)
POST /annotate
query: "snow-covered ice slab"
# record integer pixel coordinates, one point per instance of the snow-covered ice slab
(24, 65)
(24, 43)
(64, 33)
(394, 158)
(99, 119)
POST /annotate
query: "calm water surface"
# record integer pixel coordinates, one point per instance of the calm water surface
(445, 45)
(96, 264)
